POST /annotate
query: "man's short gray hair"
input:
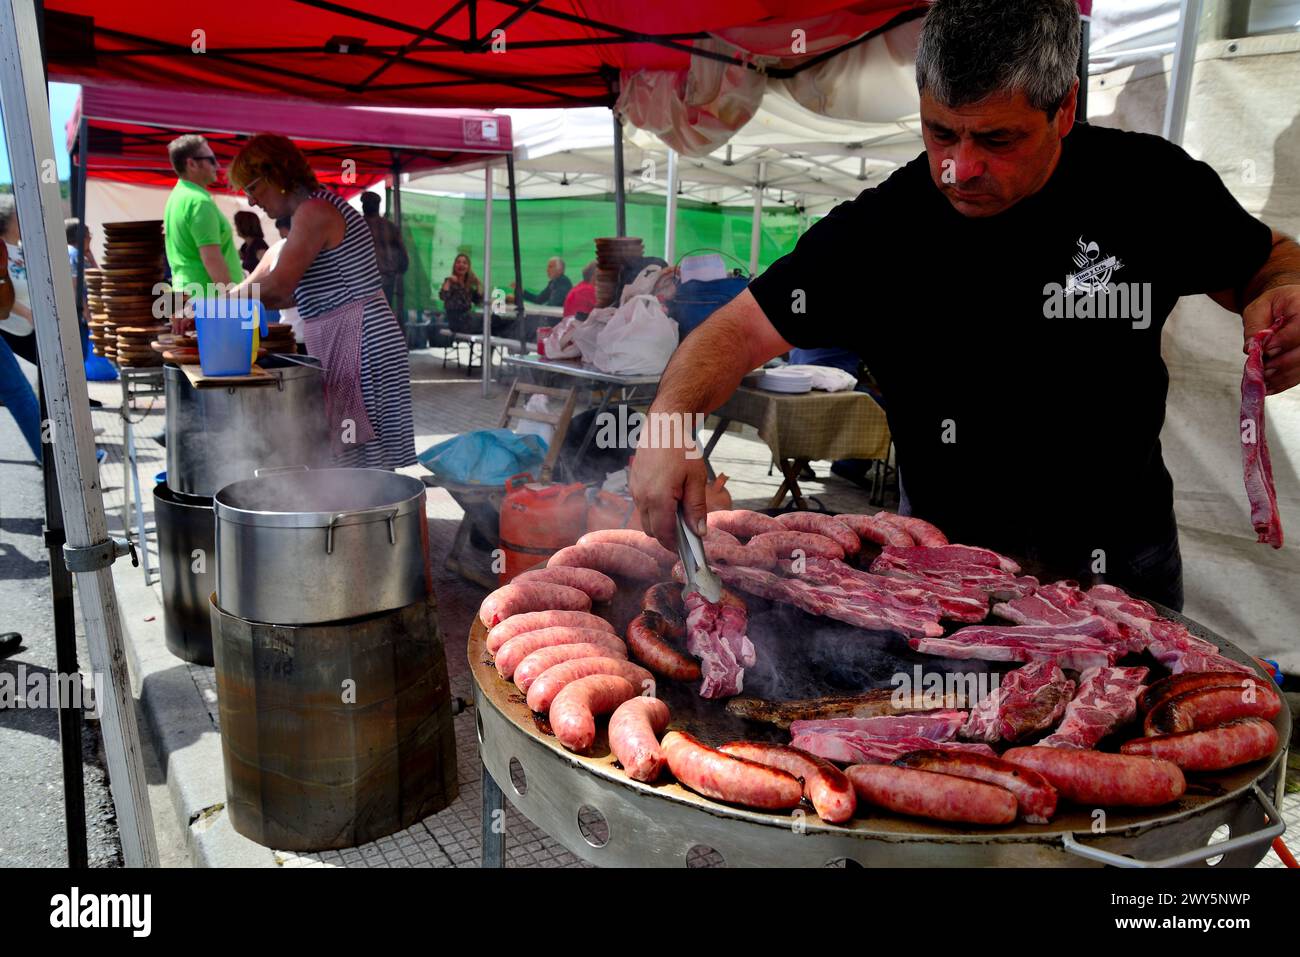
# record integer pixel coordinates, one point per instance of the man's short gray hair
(972, 49)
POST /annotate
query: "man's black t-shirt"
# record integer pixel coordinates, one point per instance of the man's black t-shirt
(1020, 423)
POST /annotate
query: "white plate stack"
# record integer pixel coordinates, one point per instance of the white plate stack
(785, 380)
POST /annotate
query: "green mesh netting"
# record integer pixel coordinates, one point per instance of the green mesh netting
(437, 228)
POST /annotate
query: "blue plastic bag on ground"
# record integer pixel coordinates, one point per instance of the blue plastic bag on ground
(485, 457)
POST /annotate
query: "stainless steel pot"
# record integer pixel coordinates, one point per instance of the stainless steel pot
(306, 547)
(220, 435)
(187, 558)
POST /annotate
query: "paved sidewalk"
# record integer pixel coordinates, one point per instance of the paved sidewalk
(179, 699)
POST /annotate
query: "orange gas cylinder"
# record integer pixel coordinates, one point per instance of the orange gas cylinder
(537, 521)
(608, 510)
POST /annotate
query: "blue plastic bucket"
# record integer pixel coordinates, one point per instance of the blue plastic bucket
(228, 334)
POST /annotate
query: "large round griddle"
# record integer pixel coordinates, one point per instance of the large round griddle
(663, 824)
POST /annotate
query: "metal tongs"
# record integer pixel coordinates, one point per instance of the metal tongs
(699, 577)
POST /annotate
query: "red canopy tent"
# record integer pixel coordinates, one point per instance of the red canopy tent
(127, 129)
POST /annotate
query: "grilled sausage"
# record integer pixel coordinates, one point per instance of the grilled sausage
(646, 641)
(520, 647)
(512, 599)
(1191, 681)
(825, 785)
(574, 710)
(609, 557)
(631, 538)
(939, 797)
(752, 555)
(811, 544)
(1237, 742)
(922, 532)
(542, 692)
(537, 620)
(665, 600)
(634, 731)
(725, 778)
(1207, 707)
(820, 524)
(1035, 797)
(596, 584)
(877, 530)
(543, 659)
(742, 523)
(1094, 778)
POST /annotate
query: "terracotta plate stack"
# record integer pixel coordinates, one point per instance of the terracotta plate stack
(131, 270)
(182, 349)
(98, 321)
(279, 338)
(611, 256)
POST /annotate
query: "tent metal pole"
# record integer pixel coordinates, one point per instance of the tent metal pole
(620, 183)
(521, 324)
(1180, 83)
(79, 174)
(670, 211)
(25, 107)
(399, 291)
(489, 296)
(756, 227)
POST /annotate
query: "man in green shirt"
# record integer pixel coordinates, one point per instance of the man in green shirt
(200, 246)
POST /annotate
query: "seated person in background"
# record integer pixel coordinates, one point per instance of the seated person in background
(557, 286)
(248, 226)
(582, 297)
(460, 293)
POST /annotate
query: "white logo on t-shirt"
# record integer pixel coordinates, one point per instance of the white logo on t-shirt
(1094, 272)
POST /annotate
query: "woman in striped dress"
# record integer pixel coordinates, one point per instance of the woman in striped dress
(326, 269)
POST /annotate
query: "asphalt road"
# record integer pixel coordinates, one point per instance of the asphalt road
(31, 775)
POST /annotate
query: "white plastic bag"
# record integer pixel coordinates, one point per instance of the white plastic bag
(643, 284)
(639, 340)
(546, 431)
(559, 342)
(586, 333)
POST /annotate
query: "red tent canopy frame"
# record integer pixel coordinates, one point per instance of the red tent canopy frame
(483, 53)
(128, 128)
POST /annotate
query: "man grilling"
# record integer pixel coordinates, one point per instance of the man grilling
(1014, 280)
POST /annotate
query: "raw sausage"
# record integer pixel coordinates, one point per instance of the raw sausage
(742, 523)
(718, 535)
(609, 557)
(1191, 681)
(520, 647)
(1095, 778)
(811, 544)
(1231, 744)
(939, 797)
(632, 538)
(922, 532)
(536, 620)
(1207, 707)
(665, 600)
(596, 584)
(542, 693)
(877, 530)
(573, 713)
(821, 524)
(825, 785)
(535, 664)
(725, 778)
(752, 555)
(645, 639)
(634, 731)
(512, 599)
(1034, 795)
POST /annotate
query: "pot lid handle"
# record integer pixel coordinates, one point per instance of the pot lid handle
(357, 515)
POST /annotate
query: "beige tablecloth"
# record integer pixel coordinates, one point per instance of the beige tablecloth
(815, 425)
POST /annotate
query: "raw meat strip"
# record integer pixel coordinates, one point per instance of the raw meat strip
(935, 725)
(942, 600)
(1255, 464)
(940, 557)
(1078, 645)
(1106, 699)
(1056, 604)
(1028, 700)
(715, 633)
(1170, 643)
(864, 749)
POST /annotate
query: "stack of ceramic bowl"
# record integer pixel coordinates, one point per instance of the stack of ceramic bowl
(97, 319)
(612, 254)
(279, 338)
(131, 271)
(133, 345)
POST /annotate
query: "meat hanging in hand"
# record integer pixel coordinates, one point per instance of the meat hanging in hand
(715, 633)
(1257, 468)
